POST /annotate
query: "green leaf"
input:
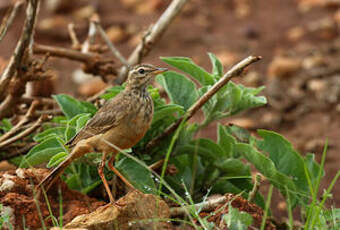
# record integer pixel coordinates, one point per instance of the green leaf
(286, 159)
(249, 99)
(75, 124)
(6, 125)
(136, 174)
(57, 159)
(112, 92)
(203, 147)
(217, 69)
(241, 134)
(266, 166)
(165, 111)
(313, 168)
(51, 132)
(43, 152)
(189, 67)
(72, 107)
(233, 167)
(225, 141)
(181, 90)
(237, 220)
(81, 121)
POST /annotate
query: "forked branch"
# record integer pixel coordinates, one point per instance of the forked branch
(155, 33)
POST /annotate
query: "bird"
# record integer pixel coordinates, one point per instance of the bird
(119, 124)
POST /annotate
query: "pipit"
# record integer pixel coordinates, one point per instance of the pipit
(121, 122)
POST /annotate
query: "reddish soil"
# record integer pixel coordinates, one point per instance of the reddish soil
(16, 194)
(297, 108)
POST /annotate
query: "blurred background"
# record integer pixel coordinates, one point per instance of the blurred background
(298, 40)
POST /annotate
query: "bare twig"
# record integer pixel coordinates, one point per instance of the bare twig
(93, 63)
(41, 100)
(113, 49)
(22, 46)
(256, 187)
(25, 133)
(17, 151)
(156, 165)
(152, 37)
(73, 36)
(65, 53)
(91, 35)
(48, 112)
(203, 206)
(28, 117)
(234, 71)
(8, 19)
(21, 57)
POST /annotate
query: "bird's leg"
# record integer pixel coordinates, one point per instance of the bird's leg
(112, 159)
(102, 176)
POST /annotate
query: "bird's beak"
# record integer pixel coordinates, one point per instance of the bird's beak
(159, 70)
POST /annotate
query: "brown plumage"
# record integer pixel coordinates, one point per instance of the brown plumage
(121, 122)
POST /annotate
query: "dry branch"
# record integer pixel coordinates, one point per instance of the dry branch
(22, 46)
(152, 36)
(234, 71)
(65, 53)
(28, 117)
(204, 206)
(25, 133)
(8, 19)
(14, 151)
(73, 36)
(112, 48)
(41, 100)
(19, 64)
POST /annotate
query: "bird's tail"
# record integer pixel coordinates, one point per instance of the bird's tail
(49, 180)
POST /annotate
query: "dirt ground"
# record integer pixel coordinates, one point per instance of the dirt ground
(298, 41)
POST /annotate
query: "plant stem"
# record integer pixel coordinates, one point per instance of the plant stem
(269, 198)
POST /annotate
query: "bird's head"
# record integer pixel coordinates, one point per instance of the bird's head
(141, 75)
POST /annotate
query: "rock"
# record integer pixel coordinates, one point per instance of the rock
(130, 212)
(282, 67)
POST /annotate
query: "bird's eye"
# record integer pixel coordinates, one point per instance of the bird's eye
(141, 71)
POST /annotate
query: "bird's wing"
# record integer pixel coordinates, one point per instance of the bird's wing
(107, 117)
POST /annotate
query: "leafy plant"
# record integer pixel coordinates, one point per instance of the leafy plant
(202, 164)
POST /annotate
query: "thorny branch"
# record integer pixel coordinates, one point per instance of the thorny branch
(8, 19)
(234, 71)
(152, 37)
